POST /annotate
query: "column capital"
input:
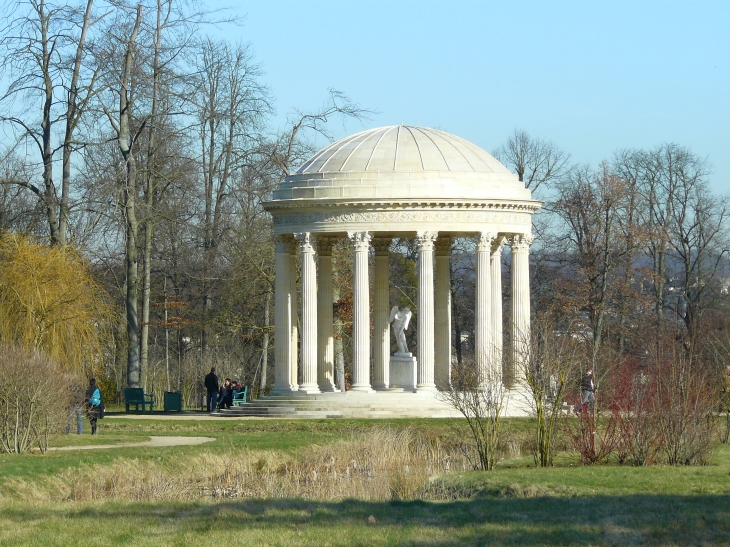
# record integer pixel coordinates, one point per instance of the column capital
(282, 242)
(426, 240)
(520, 243)
(360, 240)
(306, 241)
(293, 246)
(382, 245)
(325, 244)
(443, 246)
(484, 241)
(497, 245)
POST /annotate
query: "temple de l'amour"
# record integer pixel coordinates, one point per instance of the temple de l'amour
(369, 188)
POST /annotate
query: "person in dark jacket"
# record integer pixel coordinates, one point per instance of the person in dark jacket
(211, 386)
(94, 404)
(588, 389)
(225, 400)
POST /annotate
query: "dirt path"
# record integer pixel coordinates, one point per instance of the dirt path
(183, 416)
(154, 441)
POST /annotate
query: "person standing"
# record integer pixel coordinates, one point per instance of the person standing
(211, 386)
(94, 404)
(588, 389)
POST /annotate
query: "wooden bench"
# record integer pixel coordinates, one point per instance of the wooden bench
(136, 396)
(240, 397)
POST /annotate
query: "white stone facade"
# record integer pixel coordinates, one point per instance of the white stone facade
(385, 183)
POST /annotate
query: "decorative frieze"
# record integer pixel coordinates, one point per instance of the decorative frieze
(378, 217)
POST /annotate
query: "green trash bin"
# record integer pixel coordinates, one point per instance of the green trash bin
(173, 401)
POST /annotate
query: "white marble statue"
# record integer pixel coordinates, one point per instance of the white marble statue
(400, 319)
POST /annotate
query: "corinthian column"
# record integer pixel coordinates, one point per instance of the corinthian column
(496, 302)
(425, 241)
(381, 334)
(360, 313)
(483, 310)
(282, 319)
(309, 314)
(442, 334)
(520, 304)
(294, 343)
(325, 321)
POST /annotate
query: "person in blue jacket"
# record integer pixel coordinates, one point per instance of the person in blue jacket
(94, 404)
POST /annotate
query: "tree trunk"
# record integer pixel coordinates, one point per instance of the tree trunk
(73, 113)
(130, 194)
(150, 194)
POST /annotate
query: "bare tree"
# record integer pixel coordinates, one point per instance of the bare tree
(291, 146)
(232, 106)
(631, 234)
(589, 204)
(553, 356)
(698, 244)
(124, 52)
(480, 400)
(535, 161)
(46, 47)
(687, 232)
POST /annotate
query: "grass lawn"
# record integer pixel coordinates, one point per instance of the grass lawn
(514, 505)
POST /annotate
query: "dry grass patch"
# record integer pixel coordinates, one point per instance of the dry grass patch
(381, 464)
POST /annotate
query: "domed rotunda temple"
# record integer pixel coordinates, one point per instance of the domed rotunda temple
(369, 188)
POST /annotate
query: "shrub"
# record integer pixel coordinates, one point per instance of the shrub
(479, 396)
(637, 415)
(35, 399)
(49, 301)
(687, 400)
(594, 440)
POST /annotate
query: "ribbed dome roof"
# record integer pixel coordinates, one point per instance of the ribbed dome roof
(402, 148)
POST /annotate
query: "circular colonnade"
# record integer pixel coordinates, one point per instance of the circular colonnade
(372, 187)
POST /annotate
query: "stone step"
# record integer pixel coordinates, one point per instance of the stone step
(279, 411)
(356, 405)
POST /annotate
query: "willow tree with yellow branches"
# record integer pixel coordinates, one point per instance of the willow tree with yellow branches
(49, 302)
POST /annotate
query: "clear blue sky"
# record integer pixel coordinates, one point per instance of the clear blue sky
(591, 76)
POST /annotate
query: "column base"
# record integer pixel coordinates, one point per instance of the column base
(426, 388)
(362, 388)
(440, 386)
(309, 389)
(286, 389)
(327, 387)
(381, 386)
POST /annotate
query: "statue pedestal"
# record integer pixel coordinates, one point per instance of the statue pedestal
(402, 372)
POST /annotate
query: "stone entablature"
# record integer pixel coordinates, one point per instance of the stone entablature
(460, 217)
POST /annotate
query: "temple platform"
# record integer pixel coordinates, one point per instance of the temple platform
(380, 404)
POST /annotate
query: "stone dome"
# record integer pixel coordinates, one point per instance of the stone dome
(402, 148)
(401, 162)
(400, 180)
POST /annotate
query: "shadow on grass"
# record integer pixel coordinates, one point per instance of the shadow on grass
(616, 520)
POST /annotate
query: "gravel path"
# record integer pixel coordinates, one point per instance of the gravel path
(154, 441)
